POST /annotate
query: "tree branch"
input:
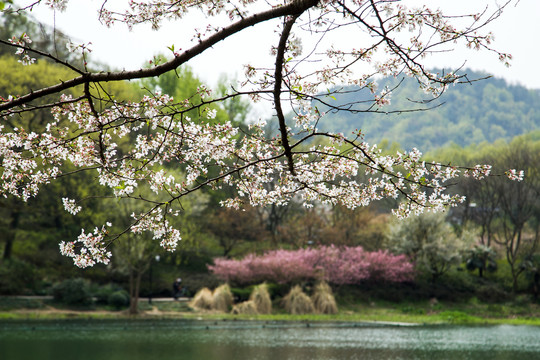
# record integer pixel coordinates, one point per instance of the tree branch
(293, 8)
(277, 90)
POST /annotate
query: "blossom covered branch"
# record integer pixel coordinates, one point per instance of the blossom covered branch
(131, 145)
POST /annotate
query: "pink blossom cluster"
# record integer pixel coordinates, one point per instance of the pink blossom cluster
(336, 265)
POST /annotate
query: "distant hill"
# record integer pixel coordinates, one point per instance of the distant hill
(479, 111)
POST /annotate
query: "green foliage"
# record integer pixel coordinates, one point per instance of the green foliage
(481, 257)
(118, 299)
(242, 294)
(481, 111)
(102, 293)
(235, 107)
(193, 282)
(9, 303)
(74, 292)
(45, 38)
(429, 241)
(456, 317)
(277, 290)
(17, 278)
(413, 310)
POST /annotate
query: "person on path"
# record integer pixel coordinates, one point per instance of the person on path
(177, 288)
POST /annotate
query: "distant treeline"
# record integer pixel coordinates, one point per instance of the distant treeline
(468, 113)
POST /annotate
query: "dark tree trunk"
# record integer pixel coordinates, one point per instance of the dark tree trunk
(10, 236)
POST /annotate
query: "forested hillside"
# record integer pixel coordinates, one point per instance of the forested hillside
(485, 110)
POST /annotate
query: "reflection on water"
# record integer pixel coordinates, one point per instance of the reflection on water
(237, 340)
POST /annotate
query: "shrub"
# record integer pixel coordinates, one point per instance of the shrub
(297, 302)
(193, 282)
(261, 298)
(222, 298)
(17, 277)
(72, 292)
(323, 299)
(492, 293)
(345, 265)
(246, 307)
(277, 290)
(242, 294)
(103, 293)
(203, 300)
(118, 299)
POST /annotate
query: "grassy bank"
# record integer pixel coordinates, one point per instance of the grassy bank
(429, 312)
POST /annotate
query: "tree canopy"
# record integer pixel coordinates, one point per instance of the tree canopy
(482, 111)
(176, 144)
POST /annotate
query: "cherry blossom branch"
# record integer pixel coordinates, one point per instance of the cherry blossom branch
(292, 8)
(44, 54)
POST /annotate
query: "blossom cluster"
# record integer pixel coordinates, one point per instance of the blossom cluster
(21, 43)
(336, 265)
(92, 248)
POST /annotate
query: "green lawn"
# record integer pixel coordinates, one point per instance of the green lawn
(421, 312)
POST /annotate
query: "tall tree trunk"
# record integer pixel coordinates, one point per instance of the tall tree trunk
(10, 236)
(135, 285)
(132, 298)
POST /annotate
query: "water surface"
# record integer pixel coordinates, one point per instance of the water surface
(238, 340)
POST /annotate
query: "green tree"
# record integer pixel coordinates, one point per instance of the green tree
(429, 241)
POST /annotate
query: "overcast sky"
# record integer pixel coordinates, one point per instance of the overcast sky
(517, 32)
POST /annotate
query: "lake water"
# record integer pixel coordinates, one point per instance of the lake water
(238, 340)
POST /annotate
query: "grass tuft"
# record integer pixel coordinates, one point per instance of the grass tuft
(203, 300)
(222, 298)
(245, 308)
(297, 302)
(261, 298)
(323, 299)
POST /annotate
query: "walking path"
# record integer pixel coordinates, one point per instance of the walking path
(48, 297)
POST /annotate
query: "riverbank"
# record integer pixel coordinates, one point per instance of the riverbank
(429, 312)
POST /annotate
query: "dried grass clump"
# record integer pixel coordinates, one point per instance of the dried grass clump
(323, 299)
(261, 297)
(222, 298)
(203, 300)
(246, 307)
(297, 302)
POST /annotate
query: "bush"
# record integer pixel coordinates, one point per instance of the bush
(118, 299)
(72, 292)
(297, 302)
(242, 294)
(261, 298)
(277, 290)
(193, 282)
(344, 265)
(103, 293)
(492, 293)
(17, 278)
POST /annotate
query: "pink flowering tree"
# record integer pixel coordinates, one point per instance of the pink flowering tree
(340, 266)
(130, 144)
